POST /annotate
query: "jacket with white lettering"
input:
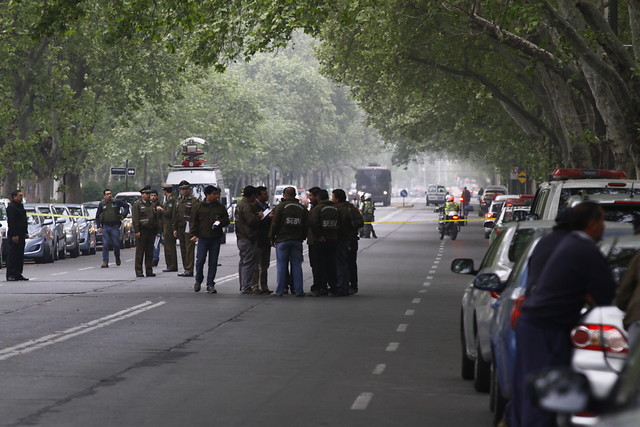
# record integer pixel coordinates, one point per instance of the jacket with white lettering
(289, 221)
(324, 220)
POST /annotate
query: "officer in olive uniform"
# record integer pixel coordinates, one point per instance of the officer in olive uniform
(324, 223)
(155, 202)
(168, 239)
(146, 225)
(181, 218)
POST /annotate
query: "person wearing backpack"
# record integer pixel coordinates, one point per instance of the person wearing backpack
(288, 231)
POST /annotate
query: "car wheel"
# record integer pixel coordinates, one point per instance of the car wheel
(63, 253)
(55, 252)
(481, 373)
(75, 253)
(466, 367)
(486, 235)
(498, 402)
(127, 243)
(86, 251)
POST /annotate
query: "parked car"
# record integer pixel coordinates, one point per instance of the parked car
(436, 194)
(513, 210)
(493, 211)
(40, 245)
(72, 239)
(86, 228)
(476, 309)
(91, 209)
(58, 229)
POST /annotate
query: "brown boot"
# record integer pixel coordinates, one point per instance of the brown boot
(105, 265)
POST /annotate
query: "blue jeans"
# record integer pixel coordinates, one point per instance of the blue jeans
(207, 246)
(110, 237)
(156, 252)
(289, 251)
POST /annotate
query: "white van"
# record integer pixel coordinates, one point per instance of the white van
(277, 193)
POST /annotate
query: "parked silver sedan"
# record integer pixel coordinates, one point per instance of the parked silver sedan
(72, 241)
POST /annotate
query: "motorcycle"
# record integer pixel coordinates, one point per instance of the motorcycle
(448, 223)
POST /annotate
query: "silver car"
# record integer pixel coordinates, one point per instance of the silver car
(476, 311)
(86, 228)
(72, 240)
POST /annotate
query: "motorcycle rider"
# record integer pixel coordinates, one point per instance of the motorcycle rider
(449, 206)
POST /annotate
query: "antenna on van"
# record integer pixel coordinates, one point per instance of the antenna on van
(192, 152)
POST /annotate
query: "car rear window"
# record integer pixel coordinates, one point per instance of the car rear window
(566, 193)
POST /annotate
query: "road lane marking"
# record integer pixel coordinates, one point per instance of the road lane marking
(86, 268)
(427, 284)
(422, 291)
(57, 274)
(361, 402)
(402, 327)
(393, 346)
(432, 271)
(129, 260)
(409, 312)
(379, 369)
(47, 340)
(429, 277)
(415, 301)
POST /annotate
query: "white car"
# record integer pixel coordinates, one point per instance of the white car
(278, 192)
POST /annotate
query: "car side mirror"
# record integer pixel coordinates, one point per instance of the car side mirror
(560, 390)
(488, 282)
(47, 221)
(463, 266)
(61, 221)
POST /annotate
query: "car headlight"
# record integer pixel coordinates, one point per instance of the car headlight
(384, 192)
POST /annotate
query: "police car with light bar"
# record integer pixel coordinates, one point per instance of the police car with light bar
(553, 196)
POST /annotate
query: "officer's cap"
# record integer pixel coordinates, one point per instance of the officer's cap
(146, 189)
(166, 187)
(183, 185)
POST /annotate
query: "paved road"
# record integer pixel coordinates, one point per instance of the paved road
(82, 346)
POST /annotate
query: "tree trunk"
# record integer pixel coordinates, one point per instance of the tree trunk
(74, 190)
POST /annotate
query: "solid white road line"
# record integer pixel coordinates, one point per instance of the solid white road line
(361, 402)
(379, 369)
(402, 327)
(393, 346)
(47, 340)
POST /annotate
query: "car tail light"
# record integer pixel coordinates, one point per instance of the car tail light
(455, 217)
(516, 311)
(489, 215)
(626, 202)
(599, 338)
(495, 295)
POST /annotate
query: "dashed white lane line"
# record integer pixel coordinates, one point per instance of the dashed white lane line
(409, 312)
(47, 340)
(429, 277)
(422, 291)
(402, 327)
(58, 274)
(130, 260)
(361, 402)
(415, 301)
(86, 268)
(393, 346)
(379, 369)
(426, 284)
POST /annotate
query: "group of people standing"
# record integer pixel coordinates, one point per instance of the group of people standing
(330, 229)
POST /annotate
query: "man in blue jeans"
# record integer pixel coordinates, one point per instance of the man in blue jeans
(208, 219)
(288, 231)
(109, 215)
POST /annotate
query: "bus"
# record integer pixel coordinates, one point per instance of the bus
(375, 180)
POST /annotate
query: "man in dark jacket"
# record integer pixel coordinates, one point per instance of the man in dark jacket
(575, 274)
(288, 231)
(208, 219)
(248, 216)
(324, 223)
(109, 216)
(17, 233)
(263, 247)
(347, 254)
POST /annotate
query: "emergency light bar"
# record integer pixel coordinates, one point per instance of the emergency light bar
(562, 174)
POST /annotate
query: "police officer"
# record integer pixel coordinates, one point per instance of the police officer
(368, 209)
(181, 217)
(288, 231)
(156, 247)
(248, 216)
(168, 239)
(208, 220)
(146, 225)
(324, 223)
(347, 254)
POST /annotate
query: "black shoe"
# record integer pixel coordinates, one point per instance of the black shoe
(22, 278)
(140, 275)
(187, 275)
(155, 262)
(211, 290)
(197, 286)
(151, 274)
(169, 270)
(12, 279)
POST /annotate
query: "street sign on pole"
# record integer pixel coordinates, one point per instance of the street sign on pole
(522, 177)
(131, 171)
(118, 171)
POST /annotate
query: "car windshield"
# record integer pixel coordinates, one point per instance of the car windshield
(76, 211)
(32, 219)
(515, 215)
(92, 211)
(629, 213)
